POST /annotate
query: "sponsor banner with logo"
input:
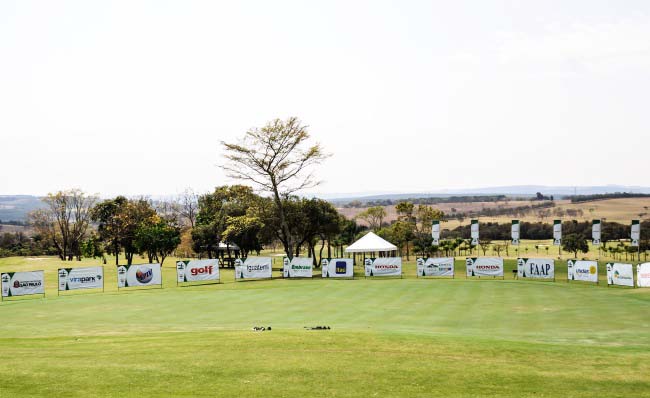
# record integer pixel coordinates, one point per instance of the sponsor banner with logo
(139, 275)
(643, 275)
(439, 266)
(254, 268)
(620, 274)
(298, 267)
(337, 268)
(514, 232)
(536, 268)
(557, 232)
(595, 232)
(484, 266)
(81, 278)
(435, 232)
(635, 234)
(22, 283)
(197, 270)
(383, 266)
(582, 270)
(474, 232)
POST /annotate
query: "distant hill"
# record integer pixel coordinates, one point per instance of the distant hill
(16, 207)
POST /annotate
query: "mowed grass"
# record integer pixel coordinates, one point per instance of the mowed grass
(398, 337)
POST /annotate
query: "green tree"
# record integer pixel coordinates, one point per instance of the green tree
(575, 243)
(158, 238)
(374, 216)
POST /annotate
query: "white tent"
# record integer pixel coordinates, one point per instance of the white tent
(370, 243)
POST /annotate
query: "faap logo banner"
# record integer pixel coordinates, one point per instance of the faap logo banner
(620, 274)
(81, 278)
(582, 270)
(22, 283)
(253, 268)
(643, 275)
(383, 266)
(536, 268)
(197, 270)
(440, 266)
(139, 275)
(337, 268)
(297, 267)
(484, 266)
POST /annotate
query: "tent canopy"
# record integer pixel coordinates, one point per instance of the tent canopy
(370, 243)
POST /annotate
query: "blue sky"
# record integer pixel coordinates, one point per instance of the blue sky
(134, 97)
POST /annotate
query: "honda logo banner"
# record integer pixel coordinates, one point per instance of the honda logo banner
(536, 268)
(582, 270)
(81, 278)
(197, 270)
(620, 274)
(22, 283)
(439, 266)
(484, 266)
(139, 275)
(337, 268)
(383, 266)
(297, 267)
(254, 268)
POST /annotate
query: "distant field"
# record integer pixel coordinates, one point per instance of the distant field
(620, 210)
(400, 337)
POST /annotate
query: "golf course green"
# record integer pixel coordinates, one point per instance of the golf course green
(389, 338)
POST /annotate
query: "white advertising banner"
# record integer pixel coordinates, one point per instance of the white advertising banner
(474, 232)
(337, 268)
(582, 270)
(536, 268)
(514, 232)
(435, 232)
(484, 266)
(22, 283)
(139, 275)
(197, 270)
(298, 267)
(81, 278)
(439, 266)
(557, 232)
(595, 232)
(383, 266)
(254, 268)
(643, 275)
(620, 274)
(635, 234)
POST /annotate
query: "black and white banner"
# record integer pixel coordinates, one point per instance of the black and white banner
(514, 232)
(439, 266)
(635, 234)
(643, 275)
(557, 232)
(621, 274)
(484, 266)
(337, 268)
(139, 275)
(536, 268)
(22, 283)
(595, 232)
(582, 270)
(254, 268)
(298, 267)
(197, 270)
(474, 232)
(435, 232)
(383, 266)
(81, 278)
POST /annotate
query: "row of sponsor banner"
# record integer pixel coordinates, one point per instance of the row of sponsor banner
(635, 232)
(33, 282)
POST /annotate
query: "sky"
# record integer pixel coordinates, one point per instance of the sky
(134, 97)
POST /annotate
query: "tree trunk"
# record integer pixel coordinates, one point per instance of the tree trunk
(288, 239)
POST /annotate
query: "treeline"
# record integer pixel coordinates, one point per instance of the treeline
(428, 201)
(603, 196)
(516, 211)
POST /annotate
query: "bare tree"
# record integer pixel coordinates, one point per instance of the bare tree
(277, 159)
(65, 220)
(189, 205)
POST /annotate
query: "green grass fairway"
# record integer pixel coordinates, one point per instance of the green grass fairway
(390, 338)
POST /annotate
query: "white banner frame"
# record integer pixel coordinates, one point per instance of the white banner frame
(124, 275)
(330, 268)
(65, 273)
(515, 232)
(572, 267)
(303, 267)
(489, 261)
(557, 232)
(616, 269)
(448, 263)
(643, 275)
(435, 232)
(388, 267)
(254, 267)
(7, 277)
(541, 266)
(208, 272)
